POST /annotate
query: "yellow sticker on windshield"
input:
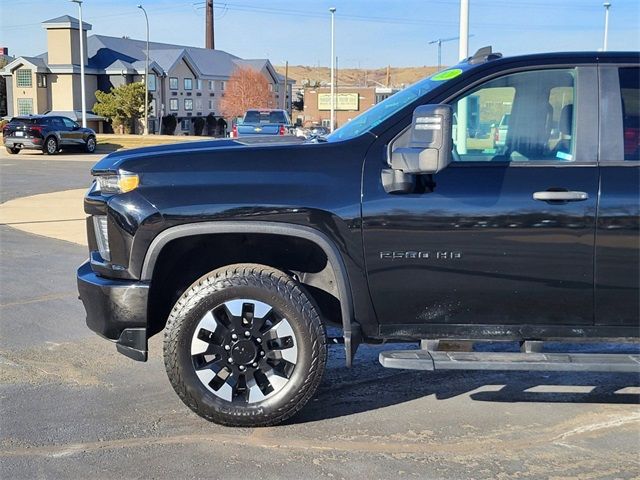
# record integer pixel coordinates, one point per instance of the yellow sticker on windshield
(447, 74)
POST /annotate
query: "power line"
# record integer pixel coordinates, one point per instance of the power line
(375, 19)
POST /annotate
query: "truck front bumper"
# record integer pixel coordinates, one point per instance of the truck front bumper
(116, 310)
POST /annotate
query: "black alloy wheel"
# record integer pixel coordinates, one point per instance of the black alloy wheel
(245, 346)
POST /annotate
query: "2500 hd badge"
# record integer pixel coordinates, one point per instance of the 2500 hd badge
(412, 254)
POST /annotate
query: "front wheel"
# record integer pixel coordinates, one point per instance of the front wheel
(245, 346)
(13, 150)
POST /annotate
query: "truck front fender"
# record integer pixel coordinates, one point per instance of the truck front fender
(351, 331)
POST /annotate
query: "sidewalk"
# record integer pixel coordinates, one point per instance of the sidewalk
(58, 215)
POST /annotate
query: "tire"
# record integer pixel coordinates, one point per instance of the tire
(90, 144)
(13, 150)
(215, 335)
(50, 146)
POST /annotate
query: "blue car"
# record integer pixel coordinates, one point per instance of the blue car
(263, 122)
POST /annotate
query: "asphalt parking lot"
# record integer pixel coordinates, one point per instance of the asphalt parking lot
(71, 407)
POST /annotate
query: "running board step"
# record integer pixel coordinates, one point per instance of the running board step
(562, 362)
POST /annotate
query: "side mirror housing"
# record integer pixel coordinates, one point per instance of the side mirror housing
(428, 151)
(430, 144)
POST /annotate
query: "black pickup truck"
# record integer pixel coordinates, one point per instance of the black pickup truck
(396, 227)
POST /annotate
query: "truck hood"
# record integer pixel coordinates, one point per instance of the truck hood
(113, 161)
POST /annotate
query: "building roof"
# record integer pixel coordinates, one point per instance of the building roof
(75, 115)
(103, 51)
(65, 21)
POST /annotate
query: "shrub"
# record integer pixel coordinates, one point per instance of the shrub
(169, 124)
(211, 125)
(198, 126)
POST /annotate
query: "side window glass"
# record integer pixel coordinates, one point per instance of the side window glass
(630, 95)
(520, 117)
(68, 123)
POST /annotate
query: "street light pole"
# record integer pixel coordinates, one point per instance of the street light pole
(82, 89)
(606, 6)
(333, 59)
(463, 51)
(146, 77)
(462, 107)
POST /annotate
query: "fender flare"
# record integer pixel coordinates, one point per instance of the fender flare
(351, 331)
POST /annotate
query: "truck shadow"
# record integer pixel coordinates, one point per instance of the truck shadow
(368, 386)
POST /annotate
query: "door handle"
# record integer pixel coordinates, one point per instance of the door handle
(562, 196)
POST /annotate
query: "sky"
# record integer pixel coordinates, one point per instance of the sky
(369, 33)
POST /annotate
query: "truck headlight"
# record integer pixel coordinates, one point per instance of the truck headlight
(102, 236)
(122, 182)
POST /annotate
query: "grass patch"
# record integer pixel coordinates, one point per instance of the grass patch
(111, 143)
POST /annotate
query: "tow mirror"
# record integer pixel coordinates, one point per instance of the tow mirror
(428, 150)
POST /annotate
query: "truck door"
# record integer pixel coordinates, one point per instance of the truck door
(505, 234)
(617, 242)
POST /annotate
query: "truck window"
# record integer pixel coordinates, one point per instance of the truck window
(630, 96)
(518, 117)
(265, 117)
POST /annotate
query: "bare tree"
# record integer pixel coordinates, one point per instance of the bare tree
(246, 89)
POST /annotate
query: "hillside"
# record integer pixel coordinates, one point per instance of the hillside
(352, 76)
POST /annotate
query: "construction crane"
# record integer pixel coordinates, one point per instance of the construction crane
(439, 42)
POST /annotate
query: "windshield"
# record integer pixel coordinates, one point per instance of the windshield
(388, 107)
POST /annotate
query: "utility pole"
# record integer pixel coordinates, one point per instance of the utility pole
(146, 78)
(606, 6)
(210, 41)
(286, 85)
(333, 59)
(82, 89)
(463, 52)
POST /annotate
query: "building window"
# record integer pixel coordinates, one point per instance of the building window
(188, 104)
(173, 83)
(24, 77)
(152, 108)
(25, 106)
(188, 84)
(42, 80)
(198, 84)
(151, 84)
(223, 85)
(173, 104)
(212, 85)
(185, 124)
(198, 105)
(210, 104)
(276, 87)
